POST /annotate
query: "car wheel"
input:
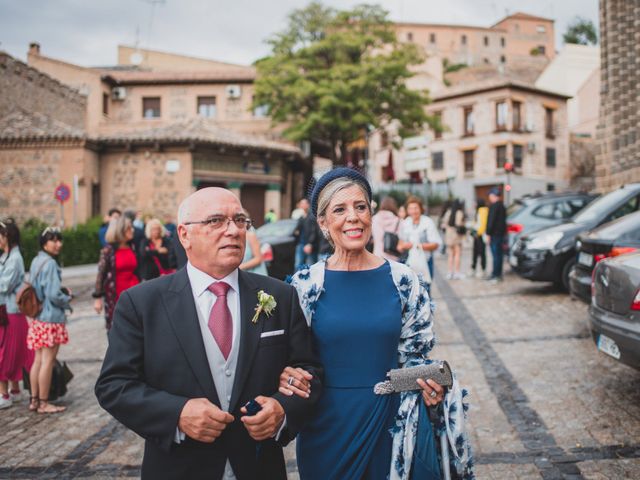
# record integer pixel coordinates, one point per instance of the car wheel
(566, 270)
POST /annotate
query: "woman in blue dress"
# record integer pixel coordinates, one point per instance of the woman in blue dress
(368, 315)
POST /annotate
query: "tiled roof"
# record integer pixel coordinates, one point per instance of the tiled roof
(197, 131)
(491, 84)
(134, 77)
(22, 125)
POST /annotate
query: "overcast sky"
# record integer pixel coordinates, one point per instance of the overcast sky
(87, 32)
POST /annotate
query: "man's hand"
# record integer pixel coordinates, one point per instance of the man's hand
(266, 422)
(308, 249)
(202, 420)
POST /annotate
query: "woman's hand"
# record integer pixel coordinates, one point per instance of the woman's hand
(428, 388)
(402, 246)
(97, 305)
(295, 380)
(163, 250)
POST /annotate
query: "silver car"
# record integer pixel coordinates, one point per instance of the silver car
(614, 314)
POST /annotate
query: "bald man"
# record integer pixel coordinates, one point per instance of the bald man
(185, 356)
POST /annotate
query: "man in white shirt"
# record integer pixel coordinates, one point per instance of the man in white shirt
(185, 356)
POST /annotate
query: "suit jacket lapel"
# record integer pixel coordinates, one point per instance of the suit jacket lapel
(249, 334)
(183, 318)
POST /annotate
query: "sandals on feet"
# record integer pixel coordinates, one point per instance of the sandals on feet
(46, 407)
(34, 403)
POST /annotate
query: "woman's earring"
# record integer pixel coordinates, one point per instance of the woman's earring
(325, 233)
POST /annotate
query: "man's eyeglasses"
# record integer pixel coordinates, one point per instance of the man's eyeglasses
(217, 221)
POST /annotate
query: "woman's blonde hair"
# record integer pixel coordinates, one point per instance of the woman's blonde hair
(117, 230)
(334, 187)
(154, 222)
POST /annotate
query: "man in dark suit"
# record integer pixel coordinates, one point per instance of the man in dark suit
(496, 232)
(185, 356)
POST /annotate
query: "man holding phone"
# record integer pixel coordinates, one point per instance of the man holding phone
(188, 351)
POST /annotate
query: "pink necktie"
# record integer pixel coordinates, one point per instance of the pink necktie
(220, 322)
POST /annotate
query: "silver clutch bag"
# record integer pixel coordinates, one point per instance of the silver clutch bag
(405, 379)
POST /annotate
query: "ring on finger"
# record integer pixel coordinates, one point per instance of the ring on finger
(290, 381)
(433, 394)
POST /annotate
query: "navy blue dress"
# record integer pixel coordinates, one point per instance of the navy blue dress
(356, 329)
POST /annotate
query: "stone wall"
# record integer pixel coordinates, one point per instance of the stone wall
(139, 180)
(618, 158)
(24, 87)
(30, 175)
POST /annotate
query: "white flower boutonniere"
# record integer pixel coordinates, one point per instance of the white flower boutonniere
(266, 304)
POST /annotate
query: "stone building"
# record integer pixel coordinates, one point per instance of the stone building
(486, 125)
(515, 38)
(139, 136)
(618, 157)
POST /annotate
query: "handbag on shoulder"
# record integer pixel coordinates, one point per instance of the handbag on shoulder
(390, 242)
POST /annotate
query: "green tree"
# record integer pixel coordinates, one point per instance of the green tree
(581, 31)
(333, 74)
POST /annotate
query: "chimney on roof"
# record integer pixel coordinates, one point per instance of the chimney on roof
(34, 48)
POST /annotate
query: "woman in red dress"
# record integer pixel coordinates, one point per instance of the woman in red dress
(117, 267)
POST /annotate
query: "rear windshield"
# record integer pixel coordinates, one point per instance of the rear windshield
(601, 206)
(283, 228)
(627, 227)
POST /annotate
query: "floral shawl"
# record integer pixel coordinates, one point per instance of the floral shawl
(416, 340)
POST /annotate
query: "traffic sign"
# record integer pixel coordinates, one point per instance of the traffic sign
(62, 193)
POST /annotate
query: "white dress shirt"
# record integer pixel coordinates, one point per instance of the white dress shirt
(223, 371)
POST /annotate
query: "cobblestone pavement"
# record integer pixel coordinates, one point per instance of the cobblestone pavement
(544, 402)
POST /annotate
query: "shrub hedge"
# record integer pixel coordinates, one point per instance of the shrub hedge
(80, 245)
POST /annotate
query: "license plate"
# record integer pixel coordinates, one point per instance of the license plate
(608, 346)
(585, 259)
(513, 260)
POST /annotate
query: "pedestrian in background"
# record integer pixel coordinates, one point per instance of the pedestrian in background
(117, 268)
(419, 236)
(308, 233)
(496, 231)
(270, 216)
(453, 222)
(252, 261)
(385, 220)
(113, 214)
(169, 225)
(402, 212)
(48, 330)
(479, 247)
(14, 354)
(138, 231)
(154, 252)
(298, 212)
(446, 205)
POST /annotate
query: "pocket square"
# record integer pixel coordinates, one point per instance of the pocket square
(272, 333)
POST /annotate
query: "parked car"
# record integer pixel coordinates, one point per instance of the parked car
(278, 246)
(531, 213)
(549, 254)
(614, 314)
(610, 240)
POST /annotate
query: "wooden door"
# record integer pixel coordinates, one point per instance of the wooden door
(482, 191)
(252, 198)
